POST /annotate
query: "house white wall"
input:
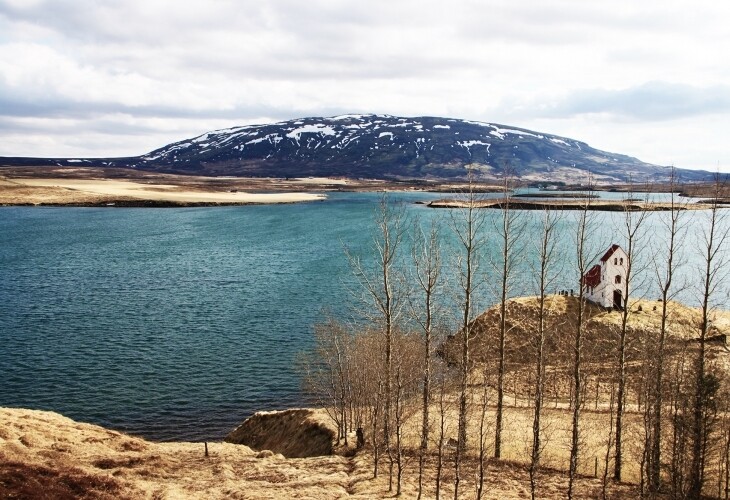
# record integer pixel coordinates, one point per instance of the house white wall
(614, 266)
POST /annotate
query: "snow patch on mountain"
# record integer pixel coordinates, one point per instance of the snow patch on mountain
(468, 144)
(501, 131)
(272, 138)
(311, 129)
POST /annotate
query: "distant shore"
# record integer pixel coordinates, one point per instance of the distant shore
(570, 204)
(124, 187)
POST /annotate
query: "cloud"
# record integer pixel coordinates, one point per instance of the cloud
(652, 101)
(154, 68)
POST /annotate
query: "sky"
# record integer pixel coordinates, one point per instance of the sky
(105, 78)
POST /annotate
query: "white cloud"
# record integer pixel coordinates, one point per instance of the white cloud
(121, 78)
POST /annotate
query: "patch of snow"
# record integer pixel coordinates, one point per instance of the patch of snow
(311, 129)
(481, 124)
(468, 144)
(346, 141)
(441, 126)
(386, 134)
(419, 142)
(520, 133)
(272, 138)
(559, 141)
(244, 131)
(348, 117)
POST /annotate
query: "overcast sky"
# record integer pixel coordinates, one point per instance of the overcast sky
(89, 78)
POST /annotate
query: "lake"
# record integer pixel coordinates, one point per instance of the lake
(177, 324)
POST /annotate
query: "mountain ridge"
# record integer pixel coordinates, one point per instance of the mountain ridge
(385, 147)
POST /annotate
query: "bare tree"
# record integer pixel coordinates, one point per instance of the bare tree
(509, 230)
(546, 273)
(633, 226)
(666, 263)
(609, 442)
(441, 377)
(408, 367)
(483, 428)
(681, 416)
(427, 271)
(327, 373)
(384, 291)
(468, 227)
(582, 259)
(713, 243)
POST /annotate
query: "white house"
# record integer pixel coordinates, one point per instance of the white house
(605, 283)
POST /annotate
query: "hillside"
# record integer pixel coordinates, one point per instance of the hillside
(601, 329)
(383, 147)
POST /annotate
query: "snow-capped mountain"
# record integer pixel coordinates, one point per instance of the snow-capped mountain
(381, 146)
(389, 147)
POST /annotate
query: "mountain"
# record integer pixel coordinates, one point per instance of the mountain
(384, 147)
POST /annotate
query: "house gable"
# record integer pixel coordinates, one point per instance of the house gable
(605, 282)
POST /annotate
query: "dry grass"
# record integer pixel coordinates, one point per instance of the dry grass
(93, 462)
(45, 455)
(602, 328)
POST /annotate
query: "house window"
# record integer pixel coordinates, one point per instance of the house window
(615, 261)
(621, 261)
(618, 279)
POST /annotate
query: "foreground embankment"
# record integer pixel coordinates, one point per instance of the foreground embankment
(46, 455)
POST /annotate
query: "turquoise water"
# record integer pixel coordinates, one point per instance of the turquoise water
(179, 323)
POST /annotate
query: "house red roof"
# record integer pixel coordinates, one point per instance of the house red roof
(608, 254)
(593, 277)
